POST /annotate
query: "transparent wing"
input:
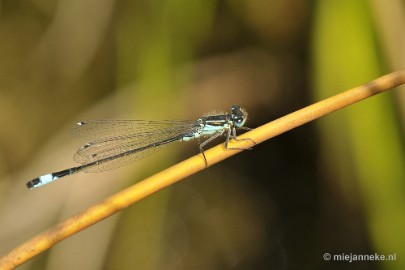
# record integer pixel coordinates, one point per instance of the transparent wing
(118, 150)
(116, 156)
(110, 128)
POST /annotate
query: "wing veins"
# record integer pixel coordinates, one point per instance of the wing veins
(110, 128)
(108, 147)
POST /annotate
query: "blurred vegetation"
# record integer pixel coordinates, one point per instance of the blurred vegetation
(334, 186)
(365, 138)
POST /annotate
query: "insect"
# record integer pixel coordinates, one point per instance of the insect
(119, 142)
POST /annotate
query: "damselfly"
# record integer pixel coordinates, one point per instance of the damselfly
(119, 142)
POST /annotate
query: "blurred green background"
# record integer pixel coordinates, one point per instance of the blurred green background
(333, 186)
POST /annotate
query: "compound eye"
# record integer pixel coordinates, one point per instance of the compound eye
(239, 121)
(235, 109)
